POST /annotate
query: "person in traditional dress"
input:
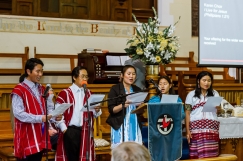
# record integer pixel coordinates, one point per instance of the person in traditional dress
(73, 144)
(165, 86)
(29, 111)
(52, 131)
(202, 127)
(116, 119)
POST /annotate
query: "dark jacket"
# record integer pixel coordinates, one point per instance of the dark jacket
(115, 120)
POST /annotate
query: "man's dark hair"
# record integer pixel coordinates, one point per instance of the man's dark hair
(30, 64)
(75, 72)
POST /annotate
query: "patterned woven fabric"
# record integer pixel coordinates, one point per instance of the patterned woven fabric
(101, 142)
(202, 147)
(204, 124)
(198, 105)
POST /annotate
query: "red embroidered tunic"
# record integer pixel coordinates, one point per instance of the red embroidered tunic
(29, 137)
(66, 96)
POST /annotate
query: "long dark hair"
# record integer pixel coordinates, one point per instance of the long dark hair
(171, 90)
(198, 88)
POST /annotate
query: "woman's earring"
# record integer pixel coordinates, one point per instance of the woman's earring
(198, 86)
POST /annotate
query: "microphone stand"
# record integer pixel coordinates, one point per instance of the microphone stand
(123, 105)
(47, 127)
(123, 116)
(89, 126)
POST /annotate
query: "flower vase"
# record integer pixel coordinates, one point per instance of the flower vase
(152, 70)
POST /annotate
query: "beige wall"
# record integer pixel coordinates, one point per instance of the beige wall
(182, 8)
(52, 44)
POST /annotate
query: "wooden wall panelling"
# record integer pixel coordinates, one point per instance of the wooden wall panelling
(48, 8)
(111, 10)
(232, 146)
(5, 6)
(74, 9)
(142, 9)
(100, 10)
(24, 7)
(121, 10)
(195, 17)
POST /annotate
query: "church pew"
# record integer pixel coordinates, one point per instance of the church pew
(15, 71)
(230, 91)
(55, 58)
(222, 157)
(189, 67)
(6, 133)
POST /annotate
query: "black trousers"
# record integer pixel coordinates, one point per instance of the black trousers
(71, 140)
(33, 157)
(54, 140)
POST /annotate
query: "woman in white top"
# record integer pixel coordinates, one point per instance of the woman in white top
(202, 127)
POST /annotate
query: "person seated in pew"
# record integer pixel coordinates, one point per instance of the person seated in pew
(73, 143)
(165, 86)
(130, 151)
(202, 128)
(132, 126)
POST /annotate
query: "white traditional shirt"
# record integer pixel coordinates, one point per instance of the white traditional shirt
(201, 121)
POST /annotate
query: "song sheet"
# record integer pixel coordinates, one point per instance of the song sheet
(60, 110)
(137, 98)
(168, 98)
(212, 102)
(94, 98)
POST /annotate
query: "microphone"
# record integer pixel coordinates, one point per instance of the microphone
(48, 87)
(84, 84)
(152, 81)
(155, 84)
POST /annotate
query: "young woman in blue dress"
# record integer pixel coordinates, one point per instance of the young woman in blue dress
(165, 86)
(116, 118)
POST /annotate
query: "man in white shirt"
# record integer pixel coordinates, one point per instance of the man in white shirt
(76, 139)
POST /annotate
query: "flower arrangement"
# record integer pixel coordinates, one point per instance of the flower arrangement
(151, 45)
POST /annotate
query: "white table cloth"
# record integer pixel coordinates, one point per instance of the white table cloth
(231, 127)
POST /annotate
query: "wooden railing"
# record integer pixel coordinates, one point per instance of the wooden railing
(189, 67)
(56, 58)
(230, 91)
(15, 71)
